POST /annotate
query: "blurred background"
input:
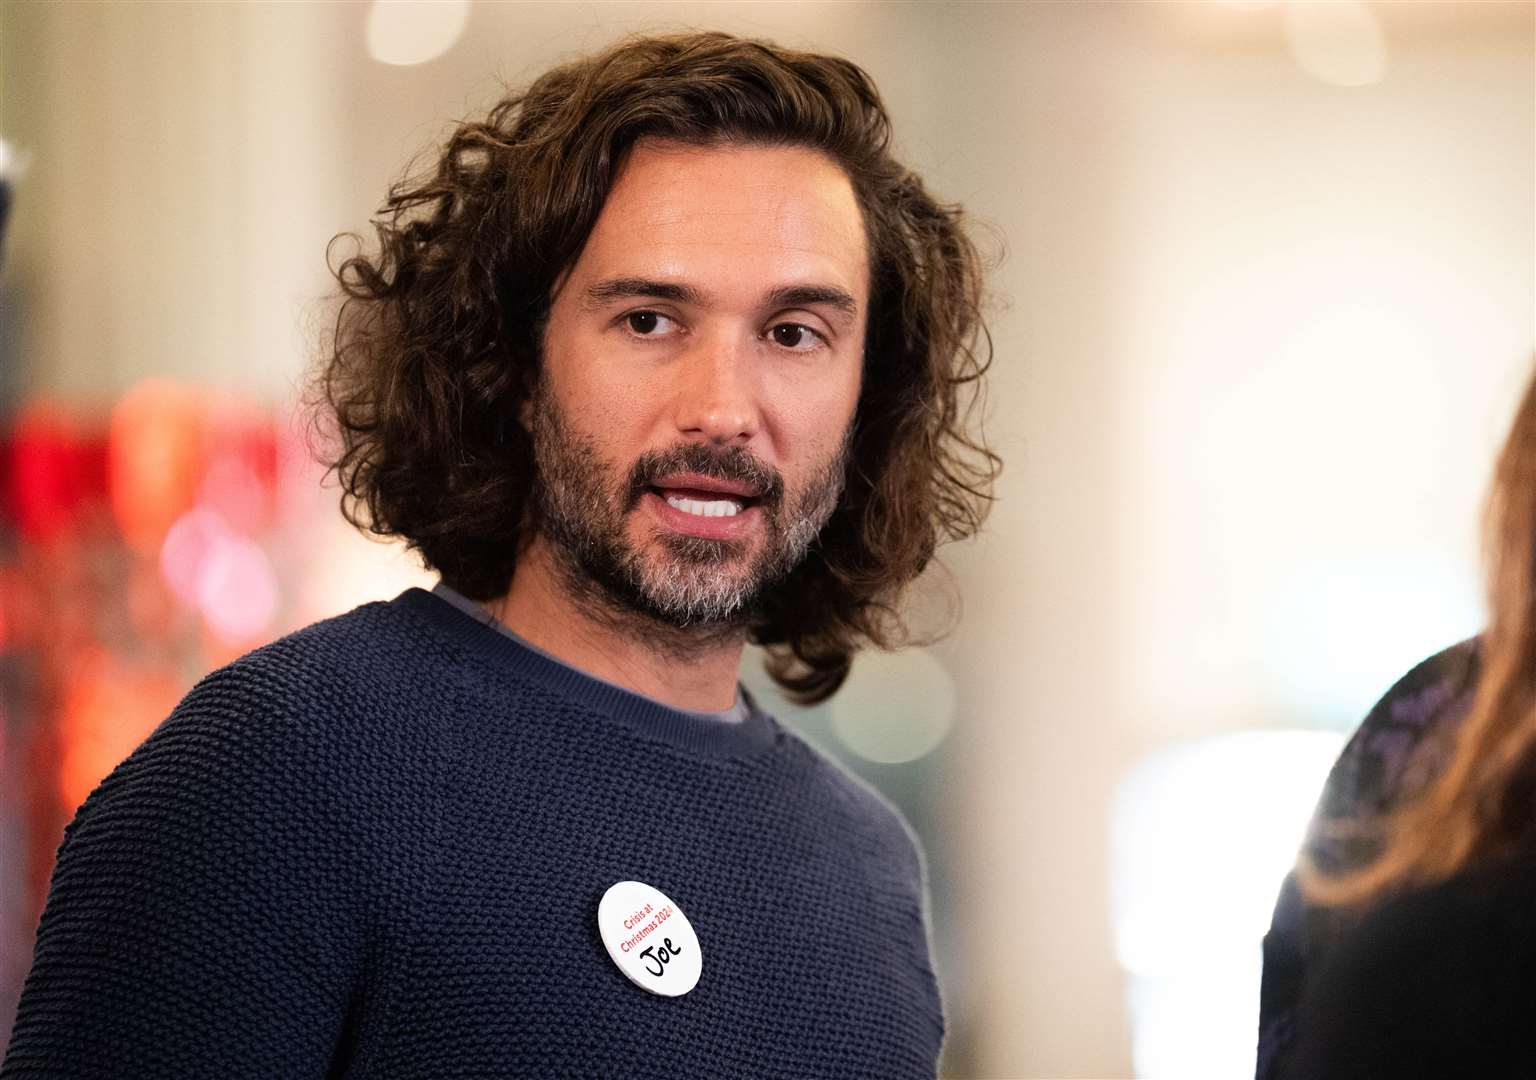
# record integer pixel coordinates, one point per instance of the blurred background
(1266, 299)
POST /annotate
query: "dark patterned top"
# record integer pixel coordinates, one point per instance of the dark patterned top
(1396, 751)
(376, 849)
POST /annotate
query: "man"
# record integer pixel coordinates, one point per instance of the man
(664, 356)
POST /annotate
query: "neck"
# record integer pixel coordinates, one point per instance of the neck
(686, 669)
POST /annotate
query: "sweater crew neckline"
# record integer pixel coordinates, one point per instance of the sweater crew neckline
(650, 719)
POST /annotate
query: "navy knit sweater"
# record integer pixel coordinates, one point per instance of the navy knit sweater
(376, 847)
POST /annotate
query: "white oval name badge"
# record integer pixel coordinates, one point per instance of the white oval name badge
(649, 938)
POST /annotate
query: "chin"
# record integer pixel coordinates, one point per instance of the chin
(698, 596)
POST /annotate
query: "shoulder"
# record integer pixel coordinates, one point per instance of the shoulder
(859, 807)
(299, 717)
(1401, 744)
(340, 672)
(218, 886)
(1430, 690)
(382, 644)
(1395, 751)
(301, 684)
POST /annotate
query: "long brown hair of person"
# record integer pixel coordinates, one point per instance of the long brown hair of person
(1480, 808)
(437, 342)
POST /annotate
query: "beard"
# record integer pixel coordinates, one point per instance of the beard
(682, 582)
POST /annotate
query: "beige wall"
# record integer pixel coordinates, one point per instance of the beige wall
(1256, 338)
(183, 174)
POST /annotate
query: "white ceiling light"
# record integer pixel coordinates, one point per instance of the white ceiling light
(405, 32)
(1339, 43)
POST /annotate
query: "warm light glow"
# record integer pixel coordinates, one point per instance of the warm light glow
(238, 590)
(155, 459)
(895, 707)
(224, 575)
(232, 487)
(405, 32)
(108, 709)
(342, 571)
(1339, 42)
(189, 544)
(241, 474)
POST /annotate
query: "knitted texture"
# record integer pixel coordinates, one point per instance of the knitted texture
(376, 848)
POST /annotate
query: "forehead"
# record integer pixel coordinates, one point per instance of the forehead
(731, 218)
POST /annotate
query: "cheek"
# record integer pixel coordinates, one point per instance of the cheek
(816, 419)
(602, 400)
(836, 400)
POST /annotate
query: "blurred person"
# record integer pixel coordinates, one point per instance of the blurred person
(665, 355)
(1404, 945)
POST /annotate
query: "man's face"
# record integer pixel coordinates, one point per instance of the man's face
(701, 369)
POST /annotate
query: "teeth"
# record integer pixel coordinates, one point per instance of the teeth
(710, 508)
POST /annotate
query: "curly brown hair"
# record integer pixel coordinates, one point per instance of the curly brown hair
(437, 342)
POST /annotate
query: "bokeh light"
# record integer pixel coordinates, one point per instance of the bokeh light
(109, 707)
(1201, 834)
(53, 468)
(1339, 42)
(238, 590)
(405, 32)
(189, 545)
(155, 456)
(896, 707)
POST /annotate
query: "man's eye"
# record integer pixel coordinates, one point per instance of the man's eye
(648, 323)
(794, 336)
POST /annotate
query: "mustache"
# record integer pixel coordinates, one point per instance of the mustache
(735, 463)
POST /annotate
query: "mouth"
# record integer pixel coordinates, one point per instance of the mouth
(703, 506)
(705, 496)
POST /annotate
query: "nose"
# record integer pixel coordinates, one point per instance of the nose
(716, 393)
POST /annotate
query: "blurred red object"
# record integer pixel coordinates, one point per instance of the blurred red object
(239, 481)
(54, 469)
(139, 561)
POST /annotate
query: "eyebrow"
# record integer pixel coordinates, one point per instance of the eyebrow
(811, 295)
(605, 292)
